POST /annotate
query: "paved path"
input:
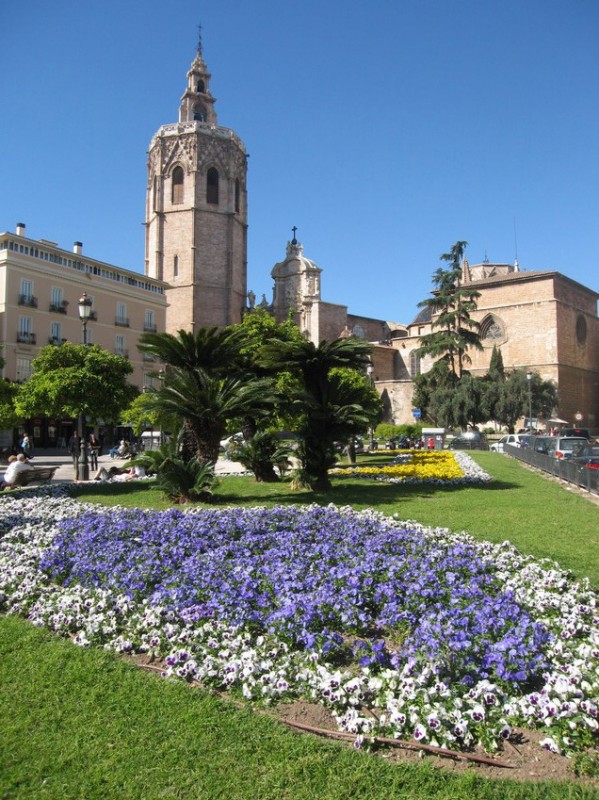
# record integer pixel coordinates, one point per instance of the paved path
(66, 472)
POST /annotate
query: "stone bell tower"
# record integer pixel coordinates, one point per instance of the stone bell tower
(196, 212)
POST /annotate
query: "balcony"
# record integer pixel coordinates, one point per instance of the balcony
(59, 308)
(119, 351)
(28, 300)
(150, 327)
(148, 357)
(24, 337)
(55, 340)
(122, 322)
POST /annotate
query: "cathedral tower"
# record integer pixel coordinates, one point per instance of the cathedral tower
(196, 212)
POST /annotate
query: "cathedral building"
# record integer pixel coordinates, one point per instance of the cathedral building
(196, 276)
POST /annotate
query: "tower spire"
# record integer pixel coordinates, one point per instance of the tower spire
(197, 104)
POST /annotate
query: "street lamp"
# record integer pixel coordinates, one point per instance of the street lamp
(161, 377)
(370, 373)
(85, 310)
(529, 379)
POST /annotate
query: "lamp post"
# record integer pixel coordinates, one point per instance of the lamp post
(85, 310)
(161, 376)
(370, 373)
(529, 379)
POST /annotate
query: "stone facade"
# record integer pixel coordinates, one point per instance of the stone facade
(196, 212)
(542, 321)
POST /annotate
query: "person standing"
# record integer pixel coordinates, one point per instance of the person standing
(26, 447)
(94, 449)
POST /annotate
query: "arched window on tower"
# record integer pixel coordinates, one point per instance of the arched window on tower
(177, 186)
(200, 86)
(237, 196)
(212, 186)
(199, 114)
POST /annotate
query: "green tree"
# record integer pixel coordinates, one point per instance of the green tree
(141, 414)
(454, 331)
(492, 384)
(206, 384)
(514, 398)
(256, 330)
(8, 393)
(325, 403)
(74, 379)
(430, 390)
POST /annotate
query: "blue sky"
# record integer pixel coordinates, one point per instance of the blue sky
(385, 130)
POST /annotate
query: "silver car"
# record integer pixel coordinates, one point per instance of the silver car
(565, 446)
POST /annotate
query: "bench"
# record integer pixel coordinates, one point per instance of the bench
(34, 475)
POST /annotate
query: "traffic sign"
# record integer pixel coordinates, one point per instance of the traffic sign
(416, 413)
(578, 416)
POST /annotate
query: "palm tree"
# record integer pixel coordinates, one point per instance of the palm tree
(328, 411)
(205, 386)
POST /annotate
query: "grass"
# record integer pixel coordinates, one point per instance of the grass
(80, 723)
(84, 724)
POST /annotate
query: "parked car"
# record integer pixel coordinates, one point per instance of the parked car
(513, 439)
(586, 462)
(470, 440)
(566, 446)
(541, 444)
(585, 432)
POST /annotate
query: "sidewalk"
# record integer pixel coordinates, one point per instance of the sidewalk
(66, 472)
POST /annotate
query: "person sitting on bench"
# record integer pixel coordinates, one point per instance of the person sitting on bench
(16, 464)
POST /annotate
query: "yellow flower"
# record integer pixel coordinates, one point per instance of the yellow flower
(426, 465)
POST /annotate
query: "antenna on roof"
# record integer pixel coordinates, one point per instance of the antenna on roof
(486, 261)
(516, 265)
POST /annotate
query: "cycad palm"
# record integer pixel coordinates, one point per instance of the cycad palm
(328, 413)
(204, 385)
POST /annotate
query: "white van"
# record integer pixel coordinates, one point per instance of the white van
(151, 440)
(513, 439)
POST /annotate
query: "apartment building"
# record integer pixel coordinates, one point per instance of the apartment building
(40, 287)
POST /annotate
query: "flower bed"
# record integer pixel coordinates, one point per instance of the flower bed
(422, 466)
(449, 641)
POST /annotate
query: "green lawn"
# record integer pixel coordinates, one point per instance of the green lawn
(84, 724)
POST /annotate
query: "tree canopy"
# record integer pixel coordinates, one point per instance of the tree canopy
(74, 378)
(454, 331)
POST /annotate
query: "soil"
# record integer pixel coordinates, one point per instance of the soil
(526, 760)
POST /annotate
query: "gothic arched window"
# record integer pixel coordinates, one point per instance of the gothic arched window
(492, 330)
(212, 186)
(200, 86)
(199, 114)
(177, 186)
